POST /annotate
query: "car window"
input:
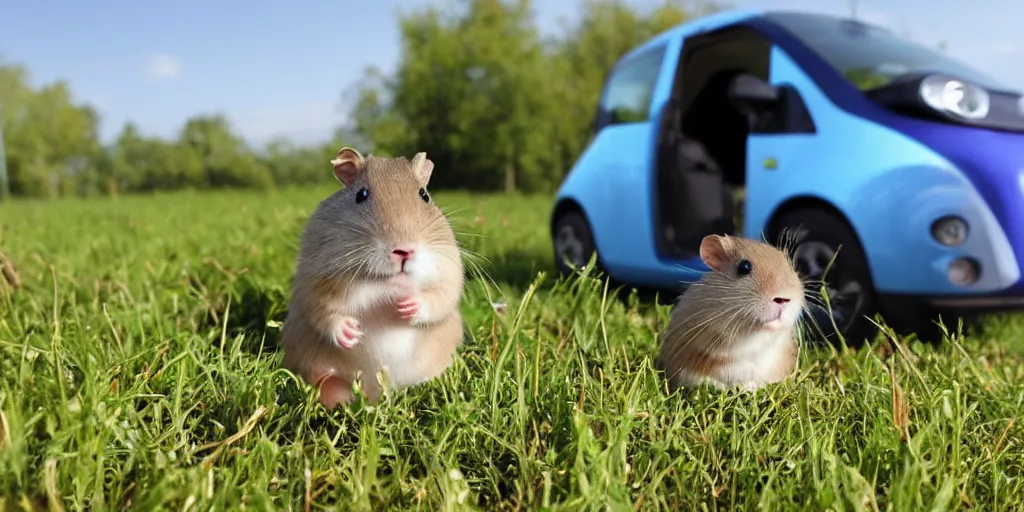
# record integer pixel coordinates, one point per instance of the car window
(870, 57)
(627, 95)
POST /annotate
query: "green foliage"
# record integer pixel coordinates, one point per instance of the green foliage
(53, 150)
(489, 100)
(51, 144)
(477, 87)
(589, 50)
(471, 90)
(138, 370)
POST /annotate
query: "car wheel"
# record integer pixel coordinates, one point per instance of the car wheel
(814, 238)
(573, 243)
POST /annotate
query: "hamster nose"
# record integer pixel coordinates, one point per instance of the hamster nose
(400, 255)
(781, 300)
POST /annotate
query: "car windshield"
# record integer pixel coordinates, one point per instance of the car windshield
(870, 57)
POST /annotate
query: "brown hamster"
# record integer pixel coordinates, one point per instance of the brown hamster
(735, 326)
(378, 283)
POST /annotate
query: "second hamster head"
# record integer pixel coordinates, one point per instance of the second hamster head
(384, 224)
(757, 283)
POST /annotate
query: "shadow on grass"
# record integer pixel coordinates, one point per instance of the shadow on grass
(259, 304)
(516, 269)
(255, 304)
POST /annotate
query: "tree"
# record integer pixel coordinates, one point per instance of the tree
(495, 107)
(13, 92)
(289, 164)
(605, 32)
(373, 117)
(147, 164)
(507, 75)
(51, 144)
(225, 160)
(492, 103)
(468, 87)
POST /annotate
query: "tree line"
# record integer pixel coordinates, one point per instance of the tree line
(52, 149)
(493, 102)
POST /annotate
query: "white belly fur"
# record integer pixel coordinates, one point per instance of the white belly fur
(391, 349)
(388, 346)
(754, 360)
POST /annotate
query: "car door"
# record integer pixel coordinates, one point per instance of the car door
(624, 151)
(779, 146)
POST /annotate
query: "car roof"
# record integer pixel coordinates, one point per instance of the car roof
(704, 23)
(717, 20)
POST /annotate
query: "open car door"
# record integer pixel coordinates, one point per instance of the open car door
(698, 202)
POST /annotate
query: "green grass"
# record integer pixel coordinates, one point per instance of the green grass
(138, 369)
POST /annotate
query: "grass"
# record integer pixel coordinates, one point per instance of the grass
(138, 370)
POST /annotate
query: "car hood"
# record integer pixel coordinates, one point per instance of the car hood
(992, 160)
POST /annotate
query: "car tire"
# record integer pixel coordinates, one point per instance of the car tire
(572, 240)
(812, 237)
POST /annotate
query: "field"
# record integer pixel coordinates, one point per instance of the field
(138, 369)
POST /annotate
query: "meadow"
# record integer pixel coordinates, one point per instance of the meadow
(139, 370)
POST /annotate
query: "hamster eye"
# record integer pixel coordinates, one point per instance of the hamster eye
(744, 268)
(424, 196)
(362, 195)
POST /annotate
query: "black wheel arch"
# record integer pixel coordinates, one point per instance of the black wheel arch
(571, 205)
(815, 203)
(905, 314)
(564, 206)
(821, 205)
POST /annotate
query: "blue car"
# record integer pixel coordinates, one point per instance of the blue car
(903, 164)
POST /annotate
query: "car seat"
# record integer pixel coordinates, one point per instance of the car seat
(713, 119)
(709, 193)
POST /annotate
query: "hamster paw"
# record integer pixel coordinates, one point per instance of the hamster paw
(347, 333)
(408, 308)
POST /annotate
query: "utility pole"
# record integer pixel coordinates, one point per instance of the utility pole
(853, 9)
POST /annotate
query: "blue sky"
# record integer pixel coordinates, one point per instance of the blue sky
(280, 69)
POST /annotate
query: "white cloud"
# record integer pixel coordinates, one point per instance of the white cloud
(163, 66)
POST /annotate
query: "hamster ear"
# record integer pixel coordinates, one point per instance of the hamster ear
(422, 168)
(714, 250)
(346, 164)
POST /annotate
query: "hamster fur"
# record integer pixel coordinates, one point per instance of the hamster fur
(736, 325)
(378, 283)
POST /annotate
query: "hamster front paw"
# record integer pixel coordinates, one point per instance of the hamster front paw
(408, 308)
(347, 332)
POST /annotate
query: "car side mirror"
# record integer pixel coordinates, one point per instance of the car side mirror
(752, 94)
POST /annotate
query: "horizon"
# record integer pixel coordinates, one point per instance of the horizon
(284, 86)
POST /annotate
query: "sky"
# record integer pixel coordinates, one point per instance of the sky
(279, 69)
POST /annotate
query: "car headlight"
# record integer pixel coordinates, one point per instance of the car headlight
(950, 231)
(957, 97)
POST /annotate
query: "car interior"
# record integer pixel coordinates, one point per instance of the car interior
(701, 170)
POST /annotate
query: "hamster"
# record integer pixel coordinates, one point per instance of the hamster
(735, 327)
(378, 283)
